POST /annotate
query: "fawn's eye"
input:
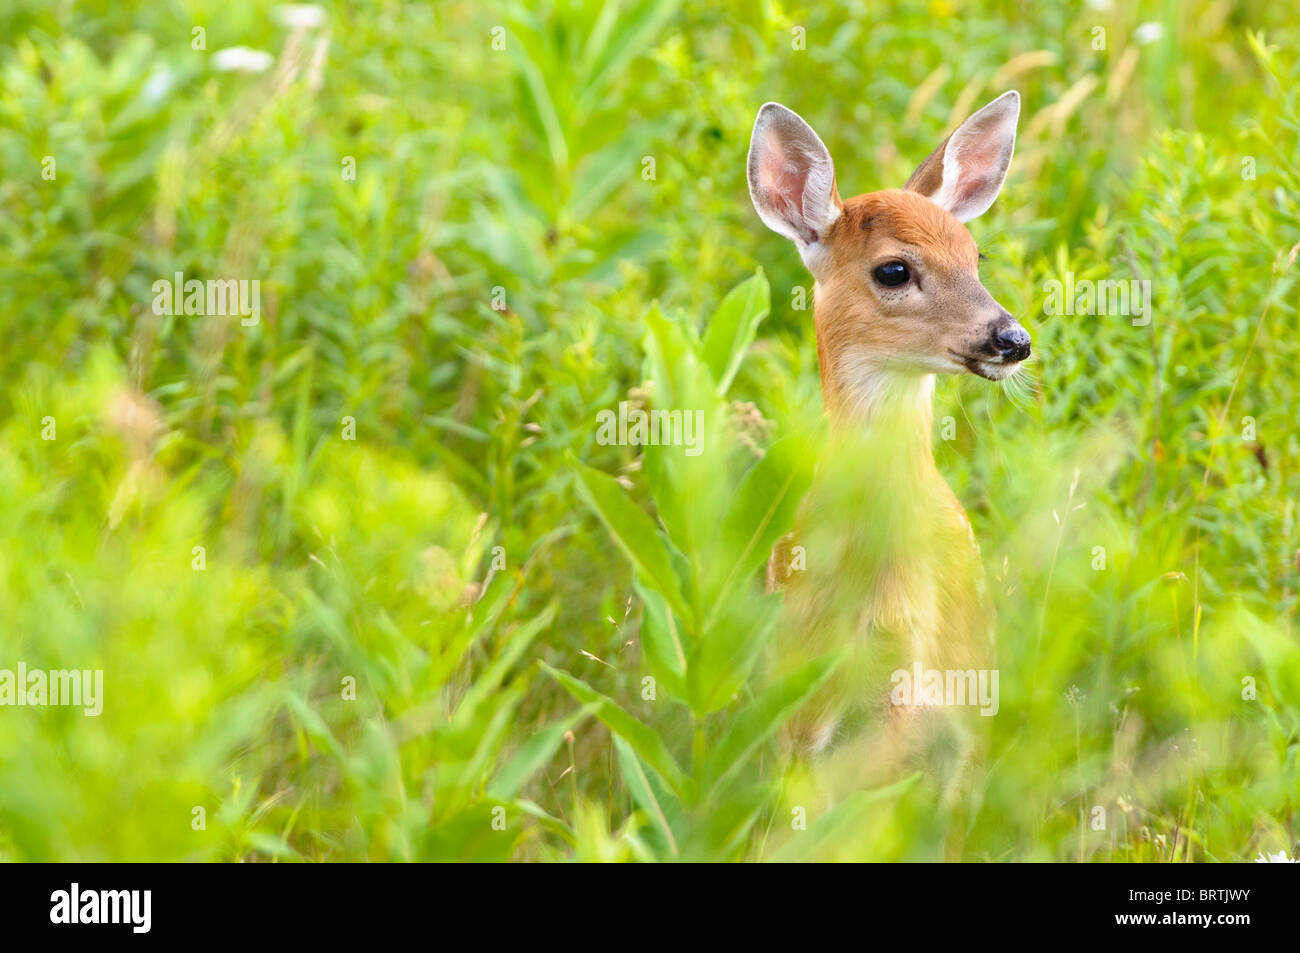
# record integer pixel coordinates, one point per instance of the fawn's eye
(892, 273)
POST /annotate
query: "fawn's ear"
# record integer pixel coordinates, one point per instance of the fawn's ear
(965, 174)
(791, 178)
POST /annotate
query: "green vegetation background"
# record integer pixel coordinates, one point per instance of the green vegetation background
(1136, 506)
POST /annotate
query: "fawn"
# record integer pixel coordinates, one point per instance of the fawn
(892, 568)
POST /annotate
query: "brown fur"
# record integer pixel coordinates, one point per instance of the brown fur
(892, 573)
(854, 319)
(893, 569)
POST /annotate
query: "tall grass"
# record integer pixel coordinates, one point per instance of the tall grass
(433, 641)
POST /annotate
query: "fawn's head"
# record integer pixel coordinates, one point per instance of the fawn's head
(897, 274)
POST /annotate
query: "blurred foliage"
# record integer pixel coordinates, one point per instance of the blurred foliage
(431, 641)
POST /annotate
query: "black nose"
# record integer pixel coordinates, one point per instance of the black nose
(1012, 342)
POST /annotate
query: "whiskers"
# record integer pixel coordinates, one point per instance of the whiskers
(1021, 385)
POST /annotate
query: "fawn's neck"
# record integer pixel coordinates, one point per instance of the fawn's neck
(869, 396)
(901, 542)
(888, 408)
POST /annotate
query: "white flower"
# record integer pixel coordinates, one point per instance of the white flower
(1148, 33)
(299, 14)
(158, 85)
(1279, 858)
(242, 59)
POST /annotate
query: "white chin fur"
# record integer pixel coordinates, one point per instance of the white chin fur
(997, 372)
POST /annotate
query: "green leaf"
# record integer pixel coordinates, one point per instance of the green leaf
(486, 683)
(728, 648)
(722, 832)
(617, 41)
(644, 795)
(490, 738)
(672, 362)
(606, 169)
(544, 111)
(469, 835)
(481, 616)
(760, 719)
(689, 488)
(536, 752)
(1277, 651)
(762, 510)
(272, 845)
(662, 642)
(643, 740)
(733, 326)
(841, 817)
(313, 724)
(548, 821)
(634, 533)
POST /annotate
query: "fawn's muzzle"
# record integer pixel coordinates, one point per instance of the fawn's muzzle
(1011, 341)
